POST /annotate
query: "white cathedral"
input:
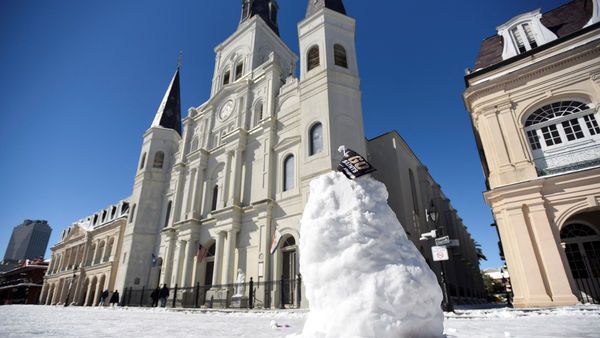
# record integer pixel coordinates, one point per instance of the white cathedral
(239, 170)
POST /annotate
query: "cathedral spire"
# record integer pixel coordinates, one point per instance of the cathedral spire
(315, 5)
(169, 112)
(266, 9)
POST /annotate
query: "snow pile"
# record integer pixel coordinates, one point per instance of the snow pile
(363, 276)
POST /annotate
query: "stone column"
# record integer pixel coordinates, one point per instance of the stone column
(218, 258)
(187, 264)
(63, 290)
(228, 256)
(102, 260)
(75, 261)
(198, 194)
(510, 129)
(42, 299)
(168, 259)
(56, 295)
(97, 292)
(190, 192)
(113, 250)
(178, 261)
(551, 258)
(49, 297)
(94, 255)
(526, 276)
(88, 295)
(226, 181)
(177, 203)
(236, 173)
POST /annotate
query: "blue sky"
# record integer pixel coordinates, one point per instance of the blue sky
(81, 81)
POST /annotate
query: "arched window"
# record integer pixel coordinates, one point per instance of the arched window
(113, 212)
(239, 70)
(168, 214)
(558, 131)
(226, 77)
(576, 230)
(104, 216)
(143, 161)
(313, 59)
(413, 190)
(159, 159)
(339, 54)
(289, 168)
(316, 139)
(215, 198)
(132, 214)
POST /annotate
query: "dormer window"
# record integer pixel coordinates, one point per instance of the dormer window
(524, 37)
(524, 33)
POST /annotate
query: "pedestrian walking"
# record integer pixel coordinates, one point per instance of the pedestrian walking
(103, 297)
(154, 296)
(114, 299)
(163, 295)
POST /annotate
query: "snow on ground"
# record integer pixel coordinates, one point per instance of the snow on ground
(363, 277)
(57, 321)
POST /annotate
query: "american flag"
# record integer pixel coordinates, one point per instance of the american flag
(202, 251)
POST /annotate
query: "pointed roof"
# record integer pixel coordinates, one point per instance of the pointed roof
(315, 5)
(169, 111)
(266, 9)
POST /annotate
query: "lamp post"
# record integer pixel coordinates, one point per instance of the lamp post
(70, 286)
(433, 215)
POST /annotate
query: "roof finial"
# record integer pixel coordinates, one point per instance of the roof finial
(179, 59)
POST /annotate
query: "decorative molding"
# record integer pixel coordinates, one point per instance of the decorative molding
(514, 79)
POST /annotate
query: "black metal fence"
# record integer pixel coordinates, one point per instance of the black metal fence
(282, 293)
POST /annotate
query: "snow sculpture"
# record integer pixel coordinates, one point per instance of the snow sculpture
(363, 276)
(240, 287)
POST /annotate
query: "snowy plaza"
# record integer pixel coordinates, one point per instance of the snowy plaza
(58, 321)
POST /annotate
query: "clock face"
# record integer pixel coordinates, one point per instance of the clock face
(226, 110)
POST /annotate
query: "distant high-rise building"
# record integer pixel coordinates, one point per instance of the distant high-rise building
(28, 240)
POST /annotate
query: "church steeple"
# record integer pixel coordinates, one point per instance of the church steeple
(169, 111)
(315, 5)
(266, 9)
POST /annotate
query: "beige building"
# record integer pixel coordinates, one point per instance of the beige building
(533, 97)
(84, 262)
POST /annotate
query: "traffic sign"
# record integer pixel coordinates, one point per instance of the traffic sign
(440, 253)
(442, 240)
(453, 242)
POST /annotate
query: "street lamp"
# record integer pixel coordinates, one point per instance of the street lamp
(71, 285)
(433, 215)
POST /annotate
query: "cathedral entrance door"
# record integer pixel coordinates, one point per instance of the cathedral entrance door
(289, 270)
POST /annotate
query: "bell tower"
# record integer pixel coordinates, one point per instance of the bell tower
(329, 82)
(148, 203)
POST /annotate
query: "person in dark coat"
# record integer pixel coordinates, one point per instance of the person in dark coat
(163, 295)
(154, 297)
(114, 299)
(103, 297)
